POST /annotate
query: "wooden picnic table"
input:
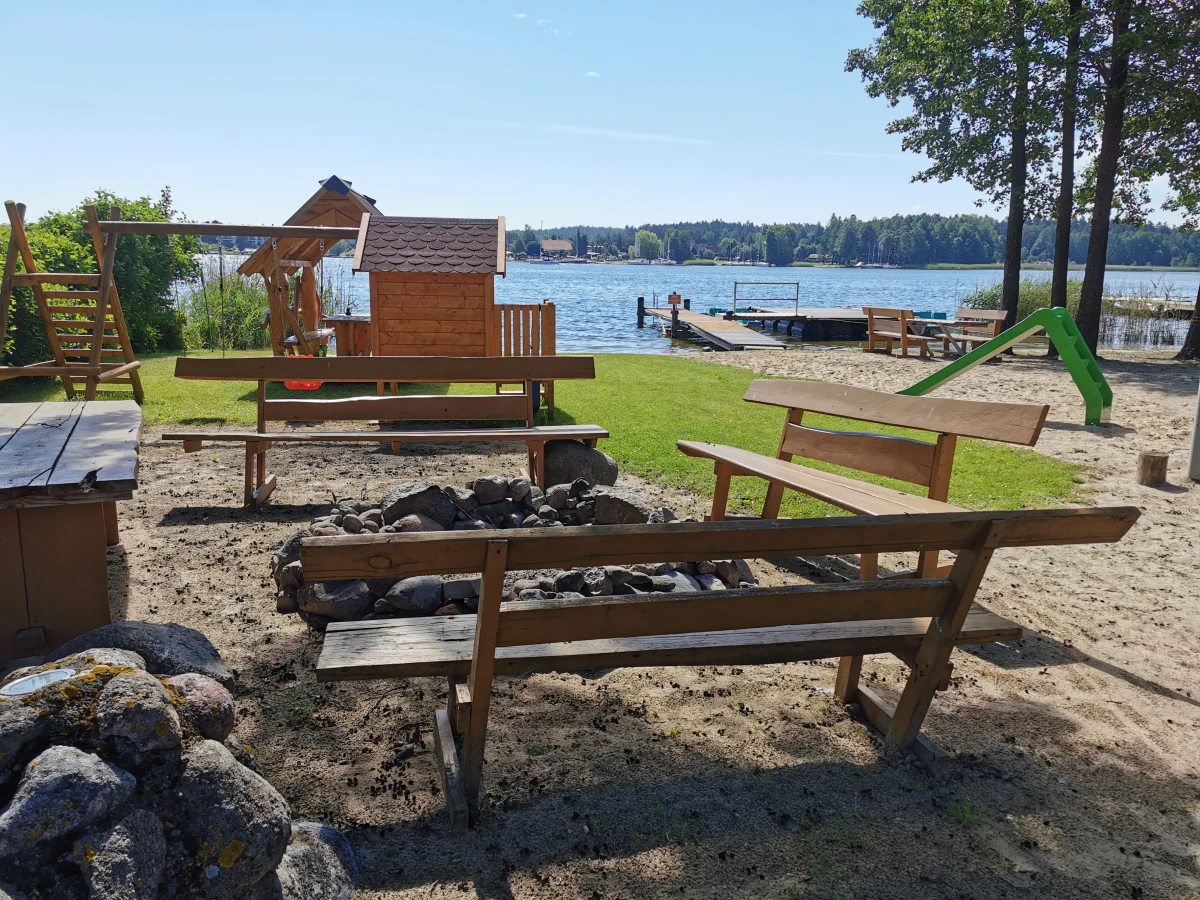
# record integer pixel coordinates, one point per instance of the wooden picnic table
(63, 467)
(351, 332)
(943, 326)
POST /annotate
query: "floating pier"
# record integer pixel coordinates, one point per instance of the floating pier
(724, 334)
(817, 323)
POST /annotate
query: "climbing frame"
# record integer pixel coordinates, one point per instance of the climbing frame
(81, 312)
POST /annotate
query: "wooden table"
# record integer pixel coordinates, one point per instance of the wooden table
(352, 334)
(63, 466)
(943, 326)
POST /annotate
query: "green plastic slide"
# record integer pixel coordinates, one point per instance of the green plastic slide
(1060, 328)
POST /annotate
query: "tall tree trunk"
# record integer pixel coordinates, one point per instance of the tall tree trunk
(1191, 343)
(1066, 189)
(1111, 134)
(1011, 287)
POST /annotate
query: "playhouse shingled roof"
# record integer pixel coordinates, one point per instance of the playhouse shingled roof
(449, 246)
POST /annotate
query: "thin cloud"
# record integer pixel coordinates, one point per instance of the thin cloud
(591, 74)
(520, 15)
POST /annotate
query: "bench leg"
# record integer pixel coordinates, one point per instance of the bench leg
(112, 532)
(249, 479)
(846, 686)
(868, 566)
(721, 492)
(548, 387)
(483, 667)
(774, 498)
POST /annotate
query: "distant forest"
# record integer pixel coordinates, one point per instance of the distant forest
(914, 240)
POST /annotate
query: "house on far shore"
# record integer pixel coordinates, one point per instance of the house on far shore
(819, 258)
(557, 247)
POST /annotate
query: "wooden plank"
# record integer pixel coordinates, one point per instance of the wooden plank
(848, 493)
(14, 609)
(401, 555)
(16, 217)
(12, 417)
(483, 666)
(425, 408)
(29, 457)
(73, 295)
(103, 292)
(408, 369)
(450, 774)
(113, 375)
(67, 600)
(537, 433)
(360, 242)
(6, 287)
(887, 455)
(102, 453)
(331, 235)
(1014, 423)
(879, 713)
(429, 312)
(442, 645)
(433, 324)
(29, 279)
(547, 621)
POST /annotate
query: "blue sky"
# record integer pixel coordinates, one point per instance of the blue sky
(605, 113)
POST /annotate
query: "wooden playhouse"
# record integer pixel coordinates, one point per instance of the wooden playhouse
(432, 284)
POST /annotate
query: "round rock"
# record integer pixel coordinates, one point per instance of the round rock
(204, 707)
(124, 862)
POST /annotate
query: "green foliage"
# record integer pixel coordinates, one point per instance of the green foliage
(780, 244)
(679, 245)
(967, 814)
(230, 318)
(144, 270)
(648, 245)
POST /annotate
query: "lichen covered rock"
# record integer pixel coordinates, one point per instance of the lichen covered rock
(204, 706)
(124, 862)
(135, 716)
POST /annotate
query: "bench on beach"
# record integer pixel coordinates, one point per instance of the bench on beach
(926, 465)
(975, 328)
(392, 369)
(920, 620)
(893, 326)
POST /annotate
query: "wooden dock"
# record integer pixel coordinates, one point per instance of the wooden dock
(817, 323)
(725, 334)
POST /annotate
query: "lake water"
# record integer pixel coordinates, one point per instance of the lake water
(596, 305)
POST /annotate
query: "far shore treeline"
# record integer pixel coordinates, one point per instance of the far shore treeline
(909, 240)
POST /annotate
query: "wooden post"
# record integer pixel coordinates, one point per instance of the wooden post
(1194, 459)
(687, 303)
(1152, 468)
(106, 284)
(641, 312)
(483, 667)
(10, 267)
(674, 321)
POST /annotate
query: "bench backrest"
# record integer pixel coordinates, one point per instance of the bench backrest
(884, 318)
(906, 459)
(524, 329)
(985, 322)
(975, 535)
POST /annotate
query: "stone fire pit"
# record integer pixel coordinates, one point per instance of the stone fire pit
(489, 503)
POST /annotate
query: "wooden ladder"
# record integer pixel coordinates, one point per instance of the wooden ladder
(81, 312)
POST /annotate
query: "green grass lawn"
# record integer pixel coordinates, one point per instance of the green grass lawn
(647, 403)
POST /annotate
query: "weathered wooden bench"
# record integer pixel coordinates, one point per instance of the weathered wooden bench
(975, 328)
(893, 326)
(920, 621)
(376, 369)
(926, 465)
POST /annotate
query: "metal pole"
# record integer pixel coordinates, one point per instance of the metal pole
(1194, 459)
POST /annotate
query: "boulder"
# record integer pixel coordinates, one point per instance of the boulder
(557, 496)
(124, 862)
(683, 582)
(243, 753)
(319, 864)
(571, 580)
(418, 497)
(60, 792)
(288, 551)
(519, 488)
(596, 582)
(706, 567)
(235, 826)
(341, 601)
(285, 601)
(661, 583)
(660, 515)
(204, 707)
(421, 594)
(461, 588)
(568, 460)
(735, 572)
(494, 512)
(21, 727)
(621, 505)
(490, 489)
(290, 576)
(417, 522)
(711, 582)
(168, 649)
(659, 568)
(463, 498)
(134, 715)
(471, 525)
(352, 524)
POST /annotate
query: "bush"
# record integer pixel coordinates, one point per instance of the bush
(229, 319)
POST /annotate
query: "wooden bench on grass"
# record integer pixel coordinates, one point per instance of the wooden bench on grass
(375, 369)
(920, 621)
(893, 326)
(926, 465)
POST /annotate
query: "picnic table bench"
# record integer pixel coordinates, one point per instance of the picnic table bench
(889, 326)
(920, 621)
(523, 370)
(63, 467)
(923, 464)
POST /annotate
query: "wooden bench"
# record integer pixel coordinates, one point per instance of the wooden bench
(920, 621)
(926, 465)
(891, 326)
(975, 327)
(376, 369)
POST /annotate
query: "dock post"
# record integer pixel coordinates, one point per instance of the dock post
(687, 303)
(641, 313)
(674, 321)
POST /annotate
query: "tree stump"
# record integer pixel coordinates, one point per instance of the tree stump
(1152, 468)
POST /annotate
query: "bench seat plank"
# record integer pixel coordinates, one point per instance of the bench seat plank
(847, 493)
(442, 645)
(537, 433)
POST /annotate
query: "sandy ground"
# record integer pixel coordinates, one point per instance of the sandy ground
(1078, 748)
